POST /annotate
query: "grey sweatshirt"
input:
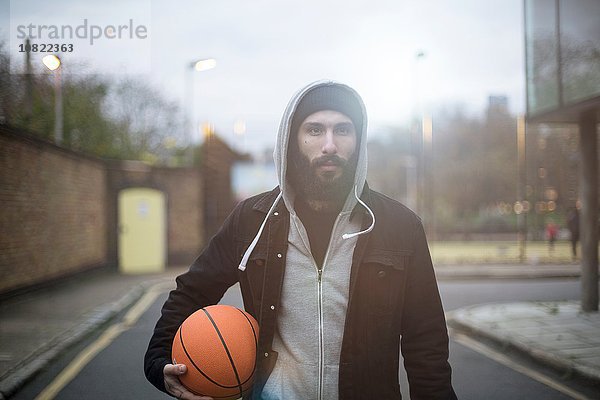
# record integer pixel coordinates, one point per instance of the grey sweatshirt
(312, 312)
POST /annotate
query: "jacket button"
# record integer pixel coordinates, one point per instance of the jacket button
(266, 354)
(275, 213)
(279, 255)
(260, 263)
(272, 307)
(381, 274)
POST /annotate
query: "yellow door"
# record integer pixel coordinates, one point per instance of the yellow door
(142, 231)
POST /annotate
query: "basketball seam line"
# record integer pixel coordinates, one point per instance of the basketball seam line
(190, 357)
(254, 334)
(201, 372)
(214, 397)
(198, 368)
(237, 377)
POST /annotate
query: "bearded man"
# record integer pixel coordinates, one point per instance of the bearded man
(338, 276)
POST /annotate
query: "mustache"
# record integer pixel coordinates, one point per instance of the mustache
(329, 159)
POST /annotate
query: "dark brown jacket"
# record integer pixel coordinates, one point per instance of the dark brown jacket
(393, 302)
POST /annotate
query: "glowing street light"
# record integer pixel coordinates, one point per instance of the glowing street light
(427, 127)
(197, 66)
(204, 65)
(239, 128)
(53, 63)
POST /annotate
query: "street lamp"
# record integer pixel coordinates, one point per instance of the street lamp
(425, 204)
(204, 65)
(520, 207)
(194, 66)
(53, 63)
(428, 185)
(419, 56)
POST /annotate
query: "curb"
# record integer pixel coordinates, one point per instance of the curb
(457, 275)
(22, 372)
(538, 355)
(509, 271)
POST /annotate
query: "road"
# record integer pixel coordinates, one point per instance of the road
(116, 371)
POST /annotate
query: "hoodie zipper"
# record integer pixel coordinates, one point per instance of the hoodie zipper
(320, 310)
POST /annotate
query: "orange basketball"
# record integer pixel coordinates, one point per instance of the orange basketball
(218, 346)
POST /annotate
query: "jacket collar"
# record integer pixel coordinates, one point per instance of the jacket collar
(367, 198)
(266, 201)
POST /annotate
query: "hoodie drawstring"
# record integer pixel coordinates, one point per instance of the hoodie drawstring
(248, 252)
(370, 228)
(246, 257)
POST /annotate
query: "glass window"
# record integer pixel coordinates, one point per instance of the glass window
(580, 49)
(541, 55)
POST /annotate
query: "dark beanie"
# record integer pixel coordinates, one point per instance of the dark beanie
(329, 97)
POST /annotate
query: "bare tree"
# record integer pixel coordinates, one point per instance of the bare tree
(149, 125)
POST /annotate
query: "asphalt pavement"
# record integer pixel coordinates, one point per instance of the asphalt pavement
(36, 327)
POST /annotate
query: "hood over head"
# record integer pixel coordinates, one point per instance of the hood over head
(318, 96)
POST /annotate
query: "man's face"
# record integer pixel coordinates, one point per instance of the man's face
(326, 143)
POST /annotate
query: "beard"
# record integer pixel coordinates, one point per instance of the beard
(310, 185)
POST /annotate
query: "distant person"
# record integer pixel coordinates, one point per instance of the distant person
(338, 276)
(573, 224)
(551, 234)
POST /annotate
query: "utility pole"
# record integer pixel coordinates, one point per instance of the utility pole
(521, 179)
(28, 83)
(53, 63)
(588, 123)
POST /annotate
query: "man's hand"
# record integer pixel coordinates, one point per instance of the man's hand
(174, 387)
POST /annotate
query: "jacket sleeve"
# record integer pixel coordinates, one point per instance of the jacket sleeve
(211, 274)
(424, 333)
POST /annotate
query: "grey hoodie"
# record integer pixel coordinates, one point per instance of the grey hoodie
(312, 312)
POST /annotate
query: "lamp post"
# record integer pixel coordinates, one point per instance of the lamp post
(426, 204)
(418, 133)
(521, 207)
(53, 63)
(194, 66)
(428, 185)
(28, 84)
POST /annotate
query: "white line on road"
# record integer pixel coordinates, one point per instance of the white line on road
(504, 360)
(88, 354)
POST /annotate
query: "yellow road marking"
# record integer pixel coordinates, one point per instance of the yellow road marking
(88, 354)
(135, 312)
(504, 360)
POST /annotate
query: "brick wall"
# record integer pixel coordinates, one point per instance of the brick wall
(58, 208)
(52, 215)
(217, 160)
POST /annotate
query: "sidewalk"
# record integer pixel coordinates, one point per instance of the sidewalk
(555, 333)
(507, 271)
(36, 327)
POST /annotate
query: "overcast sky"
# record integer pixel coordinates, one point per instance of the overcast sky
(267, 49)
